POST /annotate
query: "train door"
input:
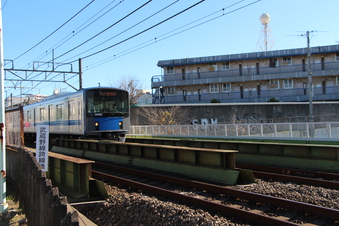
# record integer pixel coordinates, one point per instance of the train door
(71, 116)
(49, 116)
(79, 115)
(34, 118)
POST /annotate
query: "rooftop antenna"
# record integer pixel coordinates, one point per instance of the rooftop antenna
(264, 41)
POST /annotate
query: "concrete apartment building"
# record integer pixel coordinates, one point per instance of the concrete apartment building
(250, 77)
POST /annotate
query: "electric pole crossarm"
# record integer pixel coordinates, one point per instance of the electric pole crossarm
(37, 64)
(71, 86)
(14, 75)
(20, 70)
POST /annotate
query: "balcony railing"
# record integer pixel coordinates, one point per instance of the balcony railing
(283, 95)
(235, 75)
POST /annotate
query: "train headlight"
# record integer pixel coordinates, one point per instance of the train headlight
(120, 125)
(96, 125)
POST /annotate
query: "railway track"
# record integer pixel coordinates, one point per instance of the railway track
(328, 180)
(255, 208)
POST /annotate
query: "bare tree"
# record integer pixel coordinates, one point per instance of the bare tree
(164, 116)
(132, 85)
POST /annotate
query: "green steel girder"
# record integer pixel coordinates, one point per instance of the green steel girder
(204, 163)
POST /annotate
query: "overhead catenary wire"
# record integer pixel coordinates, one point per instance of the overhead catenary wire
(75, 32)
(158, 38)
(54, 30)
(133, 36)
(106, 29)
(171, 4)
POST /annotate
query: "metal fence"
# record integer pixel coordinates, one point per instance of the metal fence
(318, 130)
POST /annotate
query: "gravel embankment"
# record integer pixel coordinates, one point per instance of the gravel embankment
(136, 209)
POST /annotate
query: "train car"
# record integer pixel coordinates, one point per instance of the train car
(100, 112)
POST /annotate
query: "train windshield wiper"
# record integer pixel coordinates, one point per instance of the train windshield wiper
(119, 113)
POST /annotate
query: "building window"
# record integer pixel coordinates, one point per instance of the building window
(226, 87)
(169, 70)
(337, 80)
(213, 67)
(225, 66)
(287, 61)
(288, 84)
(337, 56)
(273, 62)
(214, 88)
(170, 90)
(274, 84)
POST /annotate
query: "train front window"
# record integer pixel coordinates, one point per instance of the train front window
(107, 102)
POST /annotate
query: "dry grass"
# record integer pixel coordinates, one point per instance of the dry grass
(13, 216)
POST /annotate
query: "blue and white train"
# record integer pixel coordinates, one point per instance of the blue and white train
(100, 112)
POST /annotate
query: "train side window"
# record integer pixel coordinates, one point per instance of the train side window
(60, 111)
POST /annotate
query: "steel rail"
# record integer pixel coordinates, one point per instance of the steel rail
(296, 179)
(226, 210)
(294, 172)
(289, 204)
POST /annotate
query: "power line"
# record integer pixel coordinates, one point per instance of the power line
(156, 39)
(109, 27)
(72, 35)
(68, 37)
(55, 30)
(133, 36)
(125, 30)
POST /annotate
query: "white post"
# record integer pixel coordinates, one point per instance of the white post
(3, 204)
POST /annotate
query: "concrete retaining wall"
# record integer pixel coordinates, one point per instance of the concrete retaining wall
(39, 200)
(271, 112)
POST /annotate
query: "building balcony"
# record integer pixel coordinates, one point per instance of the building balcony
(330, 93)
(247, 74)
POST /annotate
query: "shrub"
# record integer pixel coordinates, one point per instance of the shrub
(273, 99)
(215, 101)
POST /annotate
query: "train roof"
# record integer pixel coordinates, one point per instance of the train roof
(64, 94)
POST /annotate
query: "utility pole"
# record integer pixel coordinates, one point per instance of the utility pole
(310, 82)
(3, 203)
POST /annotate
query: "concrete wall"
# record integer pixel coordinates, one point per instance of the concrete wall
(247, 113)
(39, 200)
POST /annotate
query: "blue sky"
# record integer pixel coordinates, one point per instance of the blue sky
(235, 29)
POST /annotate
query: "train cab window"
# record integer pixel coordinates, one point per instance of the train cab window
(107, 102)
(60, 111)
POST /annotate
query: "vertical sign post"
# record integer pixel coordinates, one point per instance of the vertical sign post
(3, 203)
(42, 144)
